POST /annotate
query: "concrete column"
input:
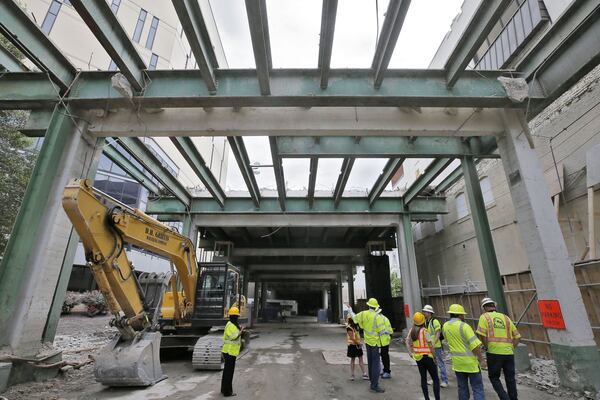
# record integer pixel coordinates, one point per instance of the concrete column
(256, 303)
(351, 286)
(487, 252)
(340, 299)
(37, 263)
(574, 349)
(325, 305)
(333, 302)
(408, 266)
(263, 298)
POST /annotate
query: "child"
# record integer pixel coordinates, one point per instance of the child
(419, 346)
(354, 348)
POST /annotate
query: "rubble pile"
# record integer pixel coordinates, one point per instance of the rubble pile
(544, 376)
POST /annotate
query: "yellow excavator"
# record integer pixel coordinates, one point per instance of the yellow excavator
(178, 309)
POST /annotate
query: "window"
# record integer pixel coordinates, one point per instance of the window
(51, 16)
(115, 5)
(486, 190)
(112, 66)
(153, 61)
(462, 210)
(139, 26)
(152, 33)
(68, 3)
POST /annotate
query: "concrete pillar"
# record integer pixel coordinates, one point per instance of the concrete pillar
(487, 252)
(39, 256)
(351, 286)
(408, 267)
(256, 303)
(573, 348)
(325, 305)
(263, 298)
(333, 302)
(340, 299)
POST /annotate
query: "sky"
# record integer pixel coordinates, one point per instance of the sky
(294, 27)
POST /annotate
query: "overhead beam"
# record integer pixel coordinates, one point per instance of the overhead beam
(9, 62)
(328, 17)
(296, 251)
(449, 180)
(243, 161)
(24, 33)
(340, 185)
(390, 169)
(487, 15)
(126, 165)
(384, 147)
(392, 25)
(105, 26)
(297, 267)
(193, 157)
(152, 164)
(433, 170)
(285, 277)
(312, 180)
(259, 34)
(278, 171)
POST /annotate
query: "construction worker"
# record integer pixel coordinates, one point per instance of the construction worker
(232, 343)
(435, 331)
(499, 336)
(420, 348)
(386, 339)
(465, 350)
(372, 323)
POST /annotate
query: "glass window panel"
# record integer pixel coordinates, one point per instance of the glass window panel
(51, 16)
(115, 5)
(152, 33)
(462, 209)
(486, 190)
(153, 62)
(115, 169)
(105, 163)
(131, 188)
(139, 26)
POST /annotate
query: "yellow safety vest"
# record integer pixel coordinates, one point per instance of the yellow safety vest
(232, 340)
(421, 347)
(461, 341)
(499, 331)
(372, 324)
(434, 326)
(386, 333)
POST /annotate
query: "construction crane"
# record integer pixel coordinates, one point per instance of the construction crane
(151, 311)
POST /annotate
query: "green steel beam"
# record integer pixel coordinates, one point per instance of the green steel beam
(328, 17)
(392, 25)
(192, 22)
(21, 31)
(259, 33)
(299, 205)
(433, 170)
(485, 242)
(278, 171)
(449, 180)
(9, 62)
(312, 180)
(241, 156)
(115, 156)
(390, 169)
(384, 147)
(37, 123)
(340, 185)
(191, 154)
(487, 15)
(152, 164)
(292, 88)
(27, 90)
(105, 26)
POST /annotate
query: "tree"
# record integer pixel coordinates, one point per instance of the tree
(396, 284)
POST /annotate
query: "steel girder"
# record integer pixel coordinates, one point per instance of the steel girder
(312, 180)
(328, 17)
(105, 26)
(115, 156)
(241, 156)
(390, 169)
(278, 171)
(340, 185)
(9, 62)
(259, 33)
(436, 167)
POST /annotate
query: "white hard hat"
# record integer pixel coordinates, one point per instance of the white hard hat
(428, 309)
(487, 301)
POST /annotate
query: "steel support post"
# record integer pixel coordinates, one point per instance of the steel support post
(409, 274)
(487, 252)
(573, 348)
(256, 302)
(351, 286)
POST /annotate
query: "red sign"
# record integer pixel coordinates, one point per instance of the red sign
(551, 314)
(406, 311)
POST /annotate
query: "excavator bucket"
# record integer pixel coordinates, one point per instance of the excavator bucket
(130, 362)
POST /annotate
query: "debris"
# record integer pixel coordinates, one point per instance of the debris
(516, 89)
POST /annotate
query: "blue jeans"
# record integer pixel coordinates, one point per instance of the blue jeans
(439, 356)
(374, 365)
(463, 379)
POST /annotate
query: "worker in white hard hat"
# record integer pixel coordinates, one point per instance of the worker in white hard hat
(500, 336)
(435, 332)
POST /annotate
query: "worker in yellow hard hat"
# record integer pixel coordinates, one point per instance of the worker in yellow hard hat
(420, 348)
(232, 343)
(465, 351)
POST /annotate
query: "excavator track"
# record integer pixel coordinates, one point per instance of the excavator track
(207, 352)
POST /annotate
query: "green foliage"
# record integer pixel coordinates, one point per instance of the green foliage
(396, 284)
(16, 165)
(11, 48)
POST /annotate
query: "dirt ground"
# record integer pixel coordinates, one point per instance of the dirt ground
(297, 360)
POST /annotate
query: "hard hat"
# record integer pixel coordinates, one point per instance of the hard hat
(373, 303)
(487, 301)
(234, 311)
(428, 309)
(456, 309)
(419, 318)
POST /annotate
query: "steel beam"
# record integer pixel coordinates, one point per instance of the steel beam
(105, 26)
(433, 170)
(241, 156)
(27, 90)
(259, 33)
(312, 180)
(115, 156)
(9, 62)
(449, 180)
(24, 33)
(297, 267)
(278, 170)
(390, 169)
(297, 251)
(284, 277)
(392, 25)
(194, 27)
(328, 16)
(152, 164)
(340, 185)
(487, 15)
(383, 147)
(191, 154)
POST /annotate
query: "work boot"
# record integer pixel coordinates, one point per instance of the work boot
(378, 390)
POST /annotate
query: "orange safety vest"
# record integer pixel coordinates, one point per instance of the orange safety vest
(420, 346)
(352, 336)
(491, 337)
